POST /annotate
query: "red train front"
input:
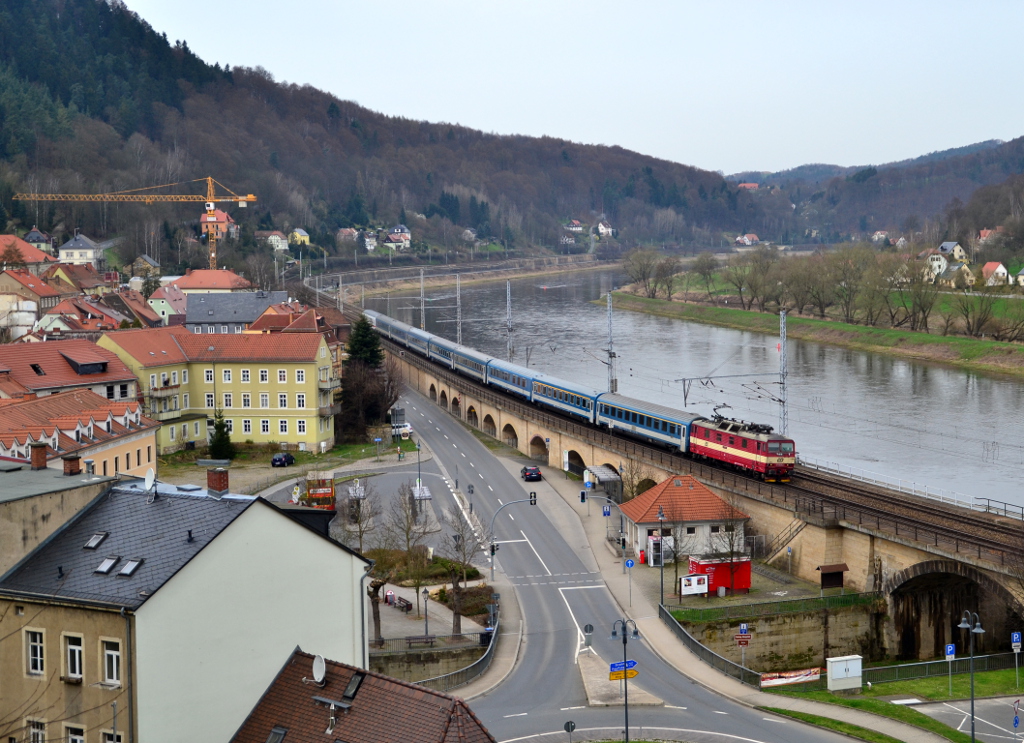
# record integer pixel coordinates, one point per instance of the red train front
(748, 446)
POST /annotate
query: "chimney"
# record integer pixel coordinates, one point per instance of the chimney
(188, 271)
(72, 464)
(217, 482)
(38, 455)
(90, 467)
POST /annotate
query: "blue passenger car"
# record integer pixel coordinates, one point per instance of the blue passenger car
(510, 377)
(568, 397)
(440, 350)
(470, 362)
(646, 420)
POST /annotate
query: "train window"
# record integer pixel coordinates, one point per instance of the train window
(787, 447)
(743, 443)
(758, 446)
(732, 441)
(773, 446)
(718, 437)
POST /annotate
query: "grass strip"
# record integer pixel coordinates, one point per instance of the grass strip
(900, 712)
(846, 728)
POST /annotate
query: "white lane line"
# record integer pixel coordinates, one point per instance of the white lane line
(534, 550)
(481, 475)
(512, 517)
(455, 445)
(719, 713)
(446, 436)
(499, 502)
(568, 708)
(463, 454)
(472, 465)
(772, 719)
(669, 706)
(521, 714)
(515, 541)
(430, 421)
(490, 488)
(580, 637)
(437, 429)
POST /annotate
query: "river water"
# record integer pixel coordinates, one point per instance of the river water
(951, 431)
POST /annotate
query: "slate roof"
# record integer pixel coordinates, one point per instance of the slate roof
(382, 710)
(234, 307)
(80, 242)
(206, 278)
(948, 247)
(51, 358)
(35, 235)
(688, 501)
(156, 533)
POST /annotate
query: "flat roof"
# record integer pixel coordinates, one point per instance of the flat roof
(19, 480)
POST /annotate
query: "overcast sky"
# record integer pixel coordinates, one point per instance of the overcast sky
(727, 86)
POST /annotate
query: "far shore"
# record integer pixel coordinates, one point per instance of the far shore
(967, 354)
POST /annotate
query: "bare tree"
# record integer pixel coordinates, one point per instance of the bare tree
(640, 266)
(666, 274)
(361, 512)
(737, 275)
(976, 311)
(635, 475)
(460, 545)
(706, 266)
(260, 269)
(725, 540)
(406, 526)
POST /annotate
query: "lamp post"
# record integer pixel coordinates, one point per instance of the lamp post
(426, 621)
(624, 626)
(661, 549)
(976, 629)
(419, 475)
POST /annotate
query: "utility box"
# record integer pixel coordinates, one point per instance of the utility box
(844, 672)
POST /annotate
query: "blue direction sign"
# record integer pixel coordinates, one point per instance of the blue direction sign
(376, 441)
(743, 628)
(950, 652)
(1016, 721)
(1015, 638)
(630, 563)
(622, 665)
(606, 510)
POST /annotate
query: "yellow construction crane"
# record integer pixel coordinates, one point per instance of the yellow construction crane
(143, 195)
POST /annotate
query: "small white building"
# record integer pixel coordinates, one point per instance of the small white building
(80, 250)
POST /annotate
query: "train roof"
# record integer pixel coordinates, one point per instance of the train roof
(731, 425)
(463, 350)
(579, 389)
(683, 416)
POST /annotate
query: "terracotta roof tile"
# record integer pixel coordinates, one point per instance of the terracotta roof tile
(246, 347)
(151, 346)
(29, 253)
(383, 710)
(689, 500)
(32, 282)
(51, 358)
(212, 279)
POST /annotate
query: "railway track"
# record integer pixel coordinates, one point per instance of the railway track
(956, 529)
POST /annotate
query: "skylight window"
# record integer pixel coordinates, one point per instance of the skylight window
(130, 567)
(38, 370)
(96, 540)
(353, 686)
(107, 565)
(277, 735)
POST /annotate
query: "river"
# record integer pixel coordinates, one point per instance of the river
(947, 430)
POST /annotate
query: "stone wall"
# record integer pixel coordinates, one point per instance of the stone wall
(793, 641)
(424, 664)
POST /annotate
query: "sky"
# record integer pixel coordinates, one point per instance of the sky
(728, 86)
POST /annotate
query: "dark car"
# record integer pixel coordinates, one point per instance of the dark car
(282, 459)
(531, 473)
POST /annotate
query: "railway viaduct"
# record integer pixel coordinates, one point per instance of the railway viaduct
(928, 575)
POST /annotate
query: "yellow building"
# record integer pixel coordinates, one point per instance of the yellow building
(271, 388)
(298, 236)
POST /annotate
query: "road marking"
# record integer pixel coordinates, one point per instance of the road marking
(719, 713)
(579, 632)
(521, 714)
(437, 429)
(568, 708)
(512, 517)
(499, 502)
(534, 551)
(446, 436)
(515, 541)
(481, 476)
(490, 488)
(456, 446)
(472, 465)
(771, 719)
(462, 453)
(669, 706)
(429, 421)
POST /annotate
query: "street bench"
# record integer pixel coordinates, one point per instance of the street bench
(403, 604)
(420, 640)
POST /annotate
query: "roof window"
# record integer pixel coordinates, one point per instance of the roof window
(130, 567)
(96, 540)
(353, 686)
(107, 565)
(38, 370)
(277, 735)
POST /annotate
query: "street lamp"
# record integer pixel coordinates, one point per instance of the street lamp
(419, 475)
(661, 550)
(965, 623)
(426, 621)
(624, 625)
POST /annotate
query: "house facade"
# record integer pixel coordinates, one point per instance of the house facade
(298, 236)
(220, 224)
(28, 256)
(120, 625)
(80, 250)
(170, 303)
(231, 312)
(273, 238)
(995, 274)
(953, 251)
(39, 240)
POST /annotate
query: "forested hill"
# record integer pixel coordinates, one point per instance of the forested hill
(92, 99)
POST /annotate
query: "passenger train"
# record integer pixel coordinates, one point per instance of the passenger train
(746, 446)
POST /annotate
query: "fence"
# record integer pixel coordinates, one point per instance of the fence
(775, 608)
(938, 668)
(441, 642)
(463, 676)
(713, 659)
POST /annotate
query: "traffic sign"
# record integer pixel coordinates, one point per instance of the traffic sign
(1015, 640)
(588, 629)
(630, 563)
(1016, 721)
(742, 636)
(376, 441)
(620, 675)
(950, 652)
(744, 628)
(622, 665)
(569, 726)
(606, 510)
(743, 642)
(588, 485)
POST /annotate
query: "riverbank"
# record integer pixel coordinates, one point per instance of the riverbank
(969, 354)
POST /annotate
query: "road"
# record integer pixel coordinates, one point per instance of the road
(542, 551)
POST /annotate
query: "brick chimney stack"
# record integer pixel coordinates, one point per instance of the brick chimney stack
(72, 464)
(38, 454)
(217, 482)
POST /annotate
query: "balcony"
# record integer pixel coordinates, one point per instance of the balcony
(329, 410)
(165, 415)
(165, 391)
(328, 384)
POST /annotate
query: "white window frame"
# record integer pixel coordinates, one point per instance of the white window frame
(174, 378)
(282, 376)
(184, 400)
(110, 655)
(184, 376)
(226, 375)
(74, 655)
(264, 399)
(224, 328)
(208, 376)
(246, 400)
(35, 651)
(152, 381)
(282, 426)
(245, 375)
(301, 425)
(210, 400)
(300, 400)
(171, 430)
(300, 376)
(36, 731)
(264, 375)
(195, 428)
(265, 426)
(282, 399)
(228, 399)
(230, 423)
(74, 733)
(246, 425)
(198, 330)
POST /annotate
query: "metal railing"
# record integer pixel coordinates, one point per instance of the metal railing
(776, 608)
(463, 676)
(906, 671)
(441, 642)
(713, 659)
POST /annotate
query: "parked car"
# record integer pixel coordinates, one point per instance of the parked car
(531, 473)
(282, 459)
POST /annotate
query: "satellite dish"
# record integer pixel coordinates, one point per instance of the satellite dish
(319, 669)
(150, 478)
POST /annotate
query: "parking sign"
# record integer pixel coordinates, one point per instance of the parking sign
(950, 652)
(1015, 641)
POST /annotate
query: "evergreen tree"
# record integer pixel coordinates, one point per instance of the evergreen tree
(364, 344)
(402, 219)
(11, 257)
(220, 442)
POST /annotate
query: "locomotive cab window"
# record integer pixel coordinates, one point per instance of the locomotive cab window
(743, 443)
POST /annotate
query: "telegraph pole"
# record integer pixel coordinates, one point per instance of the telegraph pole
(783, 371)
(458, 309)
(508, 318)
(423, 304)
(613, 383)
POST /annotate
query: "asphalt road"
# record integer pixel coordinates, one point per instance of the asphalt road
(559, 593)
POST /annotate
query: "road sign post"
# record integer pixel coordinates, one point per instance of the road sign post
(950, 657)
(569, 727)
(1015, 642)
(630, 564)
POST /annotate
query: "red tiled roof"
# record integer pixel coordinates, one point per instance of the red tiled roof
(82, 276)
(206, 278)
(249, 347)
(990, 268)
(79, 310)
(173, 295)
(52, 359)
(29, 253)
(32, 282)
(138, 304)
(151, 346)
(220, 216)
(383, 710)
(690, 500)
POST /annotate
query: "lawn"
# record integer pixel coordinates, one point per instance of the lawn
(936, 688)
(846, 728)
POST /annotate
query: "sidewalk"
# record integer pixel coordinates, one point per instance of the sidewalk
(660, 638)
